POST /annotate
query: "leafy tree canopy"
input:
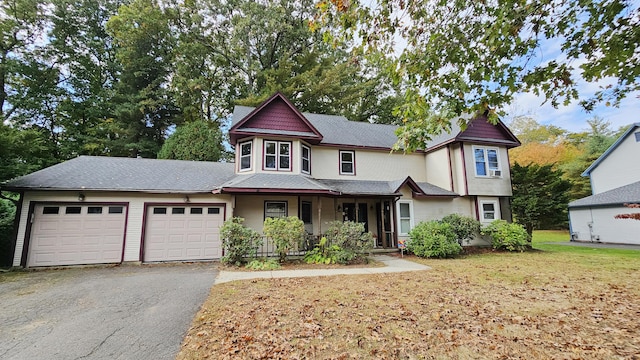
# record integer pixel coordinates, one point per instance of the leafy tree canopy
(539, 196)
(197, 140)
(474, 56)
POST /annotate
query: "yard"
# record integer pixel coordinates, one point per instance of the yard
(555, 302)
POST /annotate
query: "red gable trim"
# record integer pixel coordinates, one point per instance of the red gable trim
(232, 190)
(276, 113)
(480, 129)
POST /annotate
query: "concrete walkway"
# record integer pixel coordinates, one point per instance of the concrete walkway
(392, 265)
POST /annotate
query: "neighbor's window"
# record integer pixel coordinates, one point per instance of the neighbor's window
(487, 162)
(306, 159)
(488, 210)
(277, 155)
(347, 162)
(275, 209)
(637, 136)
(245, 156)
(405, 216)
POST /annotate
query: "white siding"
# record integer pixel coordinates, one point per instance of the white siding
(369, 165)
(251, 208)
(438, 169)
(136, 202)
(604, 226)
(457, 166)
(619, 168)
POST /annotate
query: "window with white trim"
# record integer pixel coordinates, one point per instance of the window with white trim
(275, 209)
(487, 161)
(347, 162)
(405, 216)
(277, 155)
(245, 155)
(488, 211)
(305, 166)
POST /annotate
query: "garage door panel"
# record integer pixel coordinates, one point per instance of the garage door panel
(182, 233)
(75, 238)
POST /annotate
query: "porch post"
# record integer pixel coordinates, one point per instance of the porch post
(319, 216)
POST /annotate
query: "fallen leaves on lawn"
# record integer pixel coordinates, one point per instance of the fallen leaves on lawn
(460, 310)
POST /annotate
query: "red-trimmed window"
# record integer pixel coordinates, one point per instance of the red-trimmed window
(347, 162)
(277, 155)
(306, 159)
(245, 155)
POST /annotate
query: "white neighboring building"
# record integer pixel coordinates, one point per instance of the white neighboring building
(615, 181)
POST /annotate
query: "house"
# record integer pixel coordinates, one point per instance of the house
(320, 168)
(615, 181)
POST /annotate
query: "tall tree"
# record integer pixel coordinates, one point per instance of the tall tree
(144, 106)
(539, 196)
(469, 57)
(597, 140)
(81, 47)
(247, 50)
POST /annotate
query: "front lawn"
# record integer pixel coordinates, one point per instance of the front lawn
(564, 304)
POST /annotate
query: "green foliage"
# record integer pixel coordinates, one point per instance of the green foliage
(464, 227)
(351, 238)
(507, 236)
(7, 214)
(286, 233)
(433, 239)
(591, 145)
(471, 57)
(197, 140)
(238, 241)
(540, 197)
(323, 253)
(263, 264)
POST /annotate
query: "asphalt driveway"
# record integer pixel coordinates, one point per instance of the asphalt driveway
(126, 312)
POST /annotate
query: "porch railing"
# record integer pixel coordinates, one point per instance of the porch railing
(309, 242)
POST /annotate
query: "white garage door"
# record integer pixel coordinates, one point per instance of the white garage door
(179, 232)
(76, 234)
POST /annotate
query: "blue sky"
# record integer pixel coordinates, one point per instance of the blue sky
(573, 117)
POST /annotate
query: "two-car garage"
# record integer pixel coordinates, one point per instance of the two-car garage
(96, 233)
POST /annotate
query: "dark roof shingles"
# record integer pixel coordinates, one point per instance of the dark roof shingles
(127, 174)
(622, 195)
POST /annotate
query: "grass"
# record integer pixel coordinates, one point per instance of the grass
(564, 303)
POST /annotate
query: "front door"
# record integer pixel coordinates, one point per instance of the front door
(360, 216)
(306, 216)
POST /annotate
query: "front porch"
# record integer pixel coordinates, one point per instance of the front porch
(376, 213)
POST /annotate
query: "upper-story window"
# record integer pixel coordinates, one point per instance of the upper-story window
(245, 155)
(487, 161)
(277, 155)
(306, 159)
(347, 162)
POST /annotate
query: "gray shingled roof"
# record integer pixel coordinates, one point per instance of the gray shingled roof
(622, 195)
(432, 190)
(275, 182)
(127, 174)
(359, 187)
(340, 131)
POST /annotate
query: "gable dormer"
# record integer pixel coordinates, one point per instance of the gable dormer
(276, 116)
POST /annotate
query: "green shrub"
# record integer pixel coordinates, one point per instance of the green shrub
(238, 241)
(433, 239)
(508, 236)
(351, 238)
(263, 264)
(464, 227)
(7, 214)
(323, 253)
(286, 233)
